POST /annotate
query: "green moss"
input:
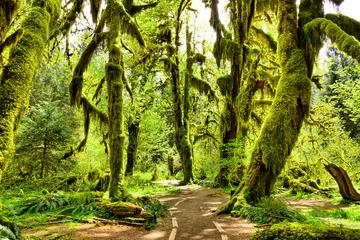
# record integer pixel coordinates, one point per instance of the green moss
(347, 24)
(306, 231)
(340, 38)
(16, 80)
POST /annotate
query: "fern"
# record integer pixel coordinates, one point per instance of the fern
(43, 203)
(6, 233)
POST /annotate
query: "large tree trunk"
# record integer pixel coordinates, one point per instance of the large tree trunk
(133, 144)
(16, 81)
(114, 73)
(346, 187)
(283, 123)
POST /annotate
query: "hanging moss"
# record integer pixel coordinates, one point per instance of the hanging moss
(265, 38)
(226, 84)
(203, 87)
(340, 38)
(17, 77)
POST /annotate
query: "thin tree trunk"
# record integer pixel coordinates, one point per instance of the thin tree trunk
(43, 162)
(16, 81)
(115, 85)
(132, 147)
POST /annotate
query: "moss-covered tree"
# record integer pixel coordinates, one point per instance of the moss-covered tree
(299, 41)
(18, 74)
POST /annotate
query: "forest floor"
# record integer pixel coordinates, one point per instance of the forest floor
(189, 216)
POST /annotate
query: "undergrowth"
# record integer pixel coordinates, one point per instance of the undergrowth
(269, 210)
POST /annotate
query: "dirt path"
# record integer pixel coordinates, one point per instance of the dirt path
(189, 216)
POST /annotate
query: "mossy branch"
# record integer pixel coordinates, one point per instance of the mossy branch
(70, 19)
(85, 58)
(340, 38)
(265, 38)
(130, 26)
(11, 40)
(95, 8)
(90, 111)
(139, 8)
(347, 24)
(98, 89)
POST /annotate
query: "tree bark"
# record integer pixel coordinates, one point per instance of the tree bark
(17, 77)
(346, 187)
(114, 73)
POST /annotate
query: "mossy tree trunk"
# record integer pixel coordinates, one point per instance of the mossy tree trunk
(283, 123)
(241, 19)
(16, 80)
(114, 74)
(133, 130)
(181, 103)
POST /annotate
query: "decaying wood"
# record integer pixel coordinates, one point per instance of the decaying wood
(346, 187)
(124, 209)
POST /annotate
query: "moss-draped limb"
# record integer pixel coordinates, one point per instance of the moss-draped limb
(76, 84)
(313, 32)
(135, 9)
(347, 24)
(17, 77)
(69, 19)
(265, 38)
(8, 8)
(114, 74)
(11, 40)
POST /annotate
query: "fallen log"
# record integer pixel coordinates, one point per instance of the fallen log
(123, 209)
(343, 180)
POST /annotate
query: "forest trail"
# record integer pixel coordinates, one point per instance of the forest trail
(189, 216)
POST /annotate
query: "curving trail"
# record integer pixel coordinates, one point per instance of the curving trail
(190, 216)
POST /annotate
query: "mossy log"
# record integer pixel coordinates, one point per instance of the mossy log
(124, 209)
(346, 187)
(306, 231)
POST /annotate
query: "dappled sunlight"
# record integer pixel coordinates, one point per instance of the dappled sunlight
(155, 235)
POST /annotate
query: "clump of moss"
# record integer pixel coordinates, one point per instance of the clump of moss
(268, 210)
(306, 231)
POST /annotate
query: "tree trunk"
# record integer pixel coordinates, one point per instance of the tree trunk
(114, 73)
(132, 147)
(171, 165)
(16, 81)
(283, 123)
(346, 187)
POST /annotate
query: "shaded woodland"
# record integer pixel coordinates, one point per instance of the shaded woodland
(101, 99)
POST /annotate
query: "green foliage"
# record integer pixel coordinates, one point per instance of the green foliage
(298, 231)
(43, 135)
(268, 210)
(44, 203)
